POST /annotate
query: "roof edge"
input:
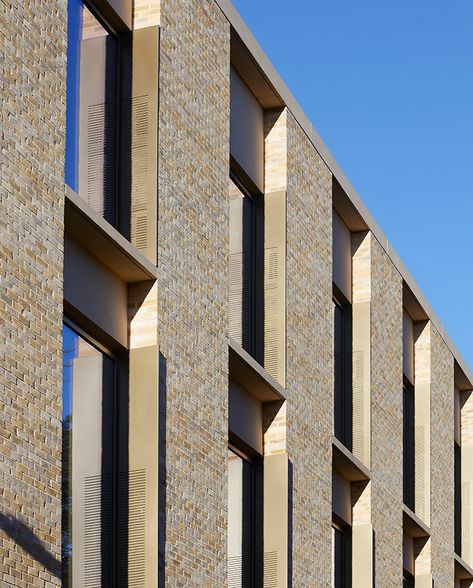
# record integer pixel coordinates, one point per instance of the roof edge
(281, 89)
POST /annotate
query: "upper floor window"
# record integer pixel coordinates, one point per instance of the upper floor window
(245, 275)
(91, 110)
(342, 373)
(409, 416)
(342, 331)
(408, 447)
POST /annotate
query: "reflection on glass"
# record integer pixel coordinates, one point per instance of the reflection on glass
(241, 267)
(240, 520)
(91, 109)
(87, 450)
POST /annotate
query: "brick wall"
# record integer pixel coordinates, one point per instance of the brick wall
(442, 460)
(32, 124)
(193, 287)
(386, 417)
(309, 357)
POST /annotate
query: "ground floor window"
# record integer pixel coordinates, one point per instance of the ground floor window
(88, 401)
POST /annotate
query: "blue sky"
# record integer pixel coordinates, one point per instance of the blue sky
(389, 87)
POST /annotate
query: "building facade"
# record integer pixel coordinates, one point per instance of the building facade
(214, 371)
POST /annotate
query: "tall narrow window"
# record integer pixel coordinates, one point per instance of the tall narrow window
(241, 527)
(407, 580)
(244, 267)
(342, 374)
(458, 496)
(408, 446)
(341, 556)
(91, 110)
(87, 463)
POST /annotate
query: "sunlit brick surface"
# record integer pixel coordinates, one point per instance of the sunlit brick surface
(32, 125)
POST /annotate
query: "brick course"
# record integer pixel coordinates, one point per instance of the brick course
(309, 356)
(193, 292)
(386, 417)
(32, 125)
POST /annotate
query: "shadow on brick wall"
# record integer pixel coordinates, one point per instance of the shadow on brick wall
(23, 536)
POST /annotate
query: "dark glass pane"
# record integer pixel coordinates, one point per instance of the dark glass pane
(338, 380)
(408, 446)
(87, 462)
(341, 557)
(408, 580)
(458, 498)
(342, 376)
(242, 259)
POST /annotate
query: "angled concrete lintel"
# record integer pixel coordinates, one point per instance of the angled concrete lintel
(413, 525)
(462, 570)
(347, 464)
(254, 378)
(99, 237)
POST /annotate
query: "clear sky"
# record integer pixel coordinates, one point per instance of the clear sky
(389, 87)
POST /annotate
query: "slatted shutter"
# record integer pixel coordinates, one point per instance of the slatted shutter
(92, 460)
(466, 522)
(97, 124)
(138, 140)
(276, 517)
(361, 417)
(138, 542)
(419, 469)
(273, 326)
(241, 260)
(359, 406)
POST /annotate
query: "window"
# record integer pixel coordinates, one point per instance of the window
(91, 110)
(341, 556)
(88, 455)
(244, 495)
(407, 580)
(458, 496)
(408, 446)
(245, 275)
(342, 373)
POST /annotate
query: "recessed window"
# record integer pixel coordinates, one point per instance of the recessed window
(407, 580)
(408, 446)
(244, 526)
(458, 498)
(91, 110)
(88, 400)
(342, 373)
(341, 556)
(245, 274)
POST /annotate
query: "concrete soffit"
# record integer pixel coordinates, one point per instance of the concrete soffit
(105, 242)
(252, 63)
(462, 569)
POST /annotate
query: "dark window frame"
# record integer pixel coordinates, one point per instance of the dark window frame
(342, 363)
(408, 444)
(458, 498)
(254, 511)
(119, 383)
(105, 19)
(407, 579)
(343, 548)
(256, 299)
